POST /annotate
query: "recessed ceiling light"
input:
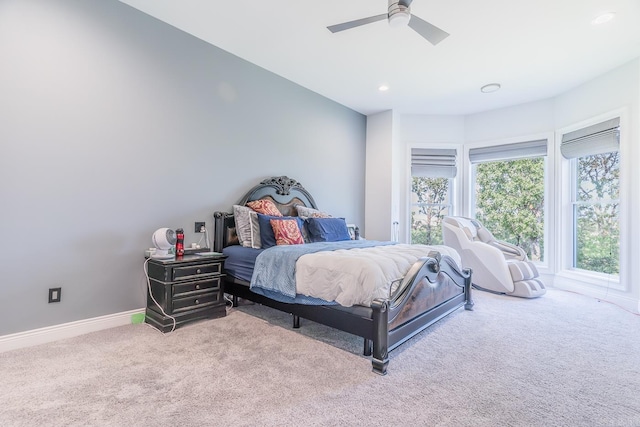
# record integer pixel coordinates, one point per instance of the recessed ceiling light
(601, 19)
(383, 88)
(491, 87)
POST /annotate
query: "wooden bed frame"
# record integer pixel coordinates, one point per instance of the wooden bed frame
(432, 288)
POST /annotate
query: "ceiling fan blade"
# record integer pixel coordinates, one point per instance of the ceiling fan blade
(433, 34)
(356, 23)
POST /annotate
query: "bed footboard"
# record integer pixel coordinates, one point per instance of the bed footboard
(433, 288)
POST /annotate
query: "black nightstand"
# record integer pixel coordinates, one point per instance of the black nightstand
(187, 288)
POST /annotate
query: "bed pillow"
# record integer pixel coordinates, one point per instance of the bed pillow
(265, 207)
(267, 236)
(247, 227)
(242, 220)
(305, 212)
(286, 231)
(327, 229)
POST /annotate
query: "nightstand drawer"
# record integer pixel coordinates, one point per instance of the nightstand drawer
(191, 302)
(192, 287)
(180, 273)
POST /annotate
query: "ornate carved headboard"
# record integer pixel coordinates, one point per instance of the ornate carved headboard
(282, 190)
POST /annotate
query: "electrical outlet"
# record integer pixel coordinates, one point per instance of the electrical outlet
(55, 294)
(199, 228)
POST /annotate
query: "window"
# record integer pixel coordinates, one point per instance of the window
(509, 196)
(595, 183)
(432, 171)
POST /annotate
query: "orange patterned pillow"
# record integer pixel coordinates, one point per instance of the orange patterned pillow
(265, 207)
(286, 232)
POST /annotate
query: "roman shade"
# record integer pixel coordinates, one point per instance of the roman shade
(518, 150)
(433, 162)
(596, 139)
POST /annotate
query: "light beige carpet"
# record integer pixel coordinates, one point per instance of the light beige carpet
(560, 360)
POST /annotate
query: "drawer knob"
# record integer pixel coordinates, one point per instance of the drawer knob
(198, 271)
(196, 302)
(197, 286)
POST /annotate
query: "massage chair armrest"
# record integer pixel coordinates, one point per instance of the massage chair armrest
(510, 251)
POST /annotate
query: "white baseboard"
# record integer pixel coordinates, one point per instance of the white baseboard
(65, 330)
(626, 302)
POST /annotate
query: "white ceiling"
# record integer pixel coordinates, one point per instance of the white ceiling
(535, 49)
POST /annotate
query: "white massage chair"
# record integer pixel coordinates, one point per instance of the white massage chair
(496, 266)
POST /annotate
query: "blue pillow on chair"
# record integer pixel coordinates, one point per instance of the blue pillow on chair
(327, 229)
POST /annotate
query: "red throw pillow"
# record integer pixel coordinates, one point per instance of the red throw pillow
(265, 207)
(286, 232)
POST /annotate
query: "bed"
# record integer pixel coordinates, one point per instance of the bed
(431, 288)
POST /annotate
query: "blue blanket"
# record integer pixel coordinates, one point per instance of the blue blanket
(275, 269)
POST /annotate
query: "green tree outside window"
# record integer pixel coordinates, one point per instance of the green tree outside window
(430, 203)
(510, 202)
(596, 210)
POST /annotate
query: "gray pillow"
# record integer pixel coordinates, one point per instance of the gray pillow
(305, 212)
(247, 226)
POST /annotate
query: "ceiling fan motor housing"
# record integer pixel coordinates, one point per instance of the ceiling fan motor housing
(399, 13)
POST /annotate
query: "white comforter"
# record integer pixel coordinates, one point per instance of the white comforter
(360, 275)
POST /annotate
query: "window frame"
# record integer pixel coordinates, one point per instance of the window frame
(575, 203)
(456, 182)
(547, 265)
(449, 205)
(566, 273)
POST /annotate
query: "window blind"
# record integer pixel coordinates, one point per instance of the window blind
(518, 150)
(433, 162)
(596, 139)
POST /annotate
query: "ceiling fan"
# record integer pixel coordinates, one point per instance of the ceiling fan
(399, 15)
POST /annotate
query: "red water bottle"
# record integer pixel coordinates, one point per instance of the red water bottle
(179, 242)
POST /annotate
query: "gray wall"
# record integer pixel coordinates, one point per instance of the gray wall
(113, 124)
